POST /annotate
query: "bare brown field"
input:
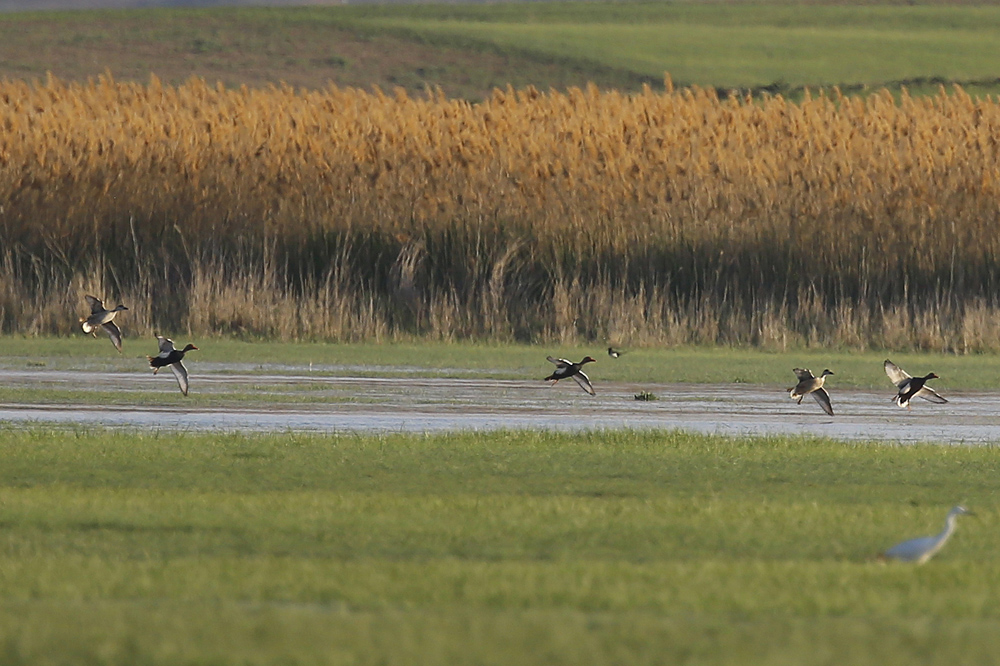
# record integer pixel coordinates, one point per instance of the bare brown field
(654, 218)
(260, 48)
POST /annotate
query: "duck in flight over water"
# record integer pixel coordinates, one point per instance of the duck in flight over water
(811, 385)
(101, 317)
(171, 357)
(565, 369)
(910, 387)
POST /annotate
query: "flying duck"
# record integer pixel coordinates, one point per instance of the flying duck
(808, 383)
(169, 356)
(910, 386)
(565, 369)
(102, 317)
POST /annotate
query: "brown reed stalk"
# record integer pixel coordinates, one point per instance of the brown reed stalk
(337, 214)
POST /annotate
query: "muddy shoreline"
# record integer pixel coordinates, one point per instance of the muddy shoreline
(312, 403)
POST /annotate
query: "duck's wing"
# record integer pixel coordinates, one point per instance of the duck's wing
(560, 362)
(166, 345)
(930, 395)
(896, 374)
(114, 333)
(823, 398)
(96, 304)
(803, 374)
(584, 381)
(181, 373)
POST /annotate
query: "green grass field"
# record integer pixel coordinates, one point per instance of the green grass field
(726, 45)
(122, 547)
(708, 365)
(506, 548)
(467, 49)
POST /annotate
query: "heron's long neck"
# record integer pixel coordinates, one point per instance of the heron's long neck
(949, 527)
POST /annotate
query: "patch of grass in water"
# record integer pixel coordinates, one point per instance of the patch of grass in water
(197, 397)
(460, 360)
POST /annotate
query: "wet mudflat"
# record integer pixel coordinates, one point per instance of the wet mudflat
(294, 399)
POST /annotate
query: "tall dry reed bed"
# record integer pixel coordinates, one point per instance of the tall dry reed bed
(651, 218)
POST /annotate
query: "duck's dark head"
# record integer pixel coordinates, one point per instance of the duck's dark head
(932, 376)
(588, 359)
(188, 347)
(825, 373)
(120, 307)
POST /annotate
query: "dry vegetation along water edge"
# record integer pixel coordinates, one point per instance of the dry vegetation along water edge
(659, 218)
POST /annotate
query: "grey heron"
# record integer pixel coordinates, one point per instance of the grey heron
(921, 549)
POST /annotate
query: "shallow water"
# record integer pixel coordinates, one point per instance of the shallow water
(303, 401)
